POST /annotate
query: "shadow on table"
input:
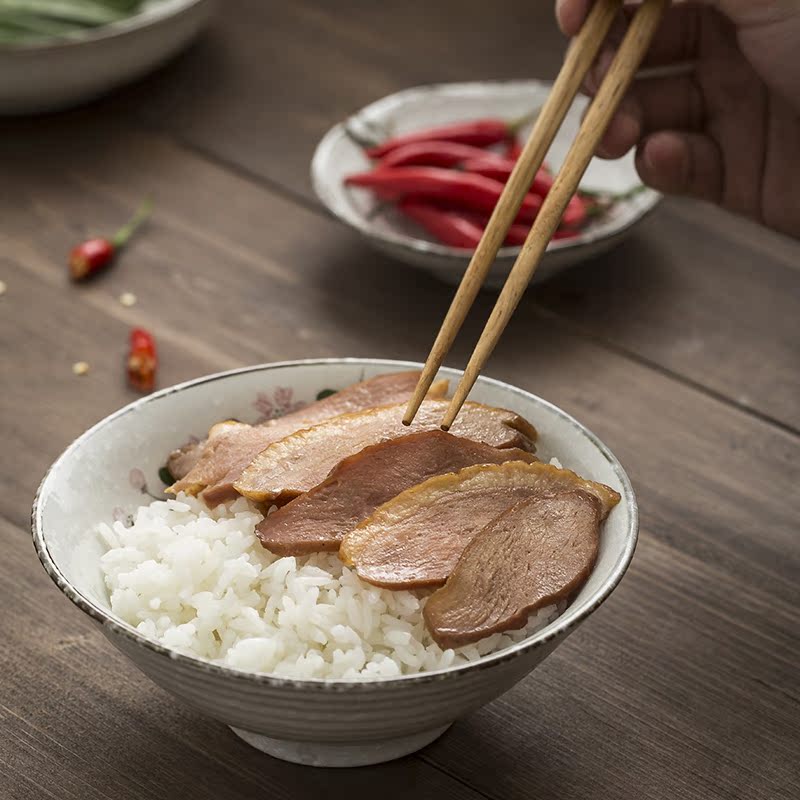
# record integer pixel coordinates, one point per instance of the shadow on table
(402, 308)
(207, 760)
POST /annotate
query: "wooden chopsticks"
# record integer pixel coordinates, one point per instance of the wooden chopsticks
(576, 64)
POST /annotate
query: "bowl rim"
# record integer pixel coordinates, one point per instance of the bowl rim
(562, 625)
(457, 256)
(143, 18)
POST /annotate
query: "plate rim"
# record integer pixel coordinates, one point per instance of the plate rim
(649, 198)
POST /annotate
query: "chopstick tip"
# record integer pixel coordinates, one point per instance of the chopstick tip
(444, 427)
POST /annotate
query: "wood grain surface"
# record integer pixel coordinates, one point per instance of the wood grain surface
(680, 349)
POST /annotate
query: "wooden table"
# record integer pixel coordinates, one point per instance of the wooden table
(680, 350)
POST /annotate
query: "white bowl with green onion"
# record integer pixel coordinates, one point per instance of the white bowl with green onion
(55, 54)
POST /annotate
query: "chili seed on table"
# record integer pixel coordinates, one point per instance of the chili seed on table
(128, 299)
(80, 368)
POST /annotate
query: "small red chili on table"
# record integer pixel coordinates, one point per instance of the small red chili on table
(94, 255)
(142, 360)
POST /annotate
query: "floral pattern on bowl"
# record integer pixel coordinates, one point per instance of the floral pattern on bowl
(269, 404)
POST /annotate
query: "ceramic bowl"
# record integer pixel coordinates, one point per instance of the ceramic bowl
(107, 471)
(55, 74)
(339, 155)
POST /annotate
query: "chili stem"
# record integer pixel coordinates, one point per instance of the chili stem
(121, 237)
(364, 142)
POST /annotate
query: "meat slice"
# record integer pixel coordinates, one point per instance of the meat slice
(416, 539)
(182, 461)
(303, 460)
(536, 553)
(317, 520)
(223, 490)
(223, 457)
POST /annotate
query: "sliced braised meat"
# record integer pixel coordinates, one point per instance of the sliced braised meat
(416, 539)
(225, 456)
(303, 460)
(536, 553)
(223, 490)
(219, 453)
(220, 437)
(317, 520)
(183, 460)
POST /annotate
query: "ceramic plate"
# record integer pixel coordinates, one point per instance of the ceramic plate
(338, 155)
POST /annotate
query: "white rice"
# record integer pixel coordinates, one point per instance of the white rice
(200, 582)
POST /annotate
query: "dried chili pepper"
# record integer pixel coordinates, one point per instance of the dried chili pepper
(142, 360)
(460, 189)
(478, 132)
(93, 255)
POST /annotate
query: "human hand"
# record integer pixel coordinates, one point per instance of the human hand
(728, 129)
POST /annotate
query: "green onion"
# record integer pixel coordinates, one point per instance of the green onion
(28, 20)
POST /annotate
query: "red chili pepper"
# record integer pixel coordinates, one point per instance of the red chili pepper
(500, 170)
(93, 255)
(431, 154)
(458, 228)
(142, 360)
(568, 229)
(514, 149)
(461, 189)
(517, 234)
(575, 213)
(478, 132)
(450, 227)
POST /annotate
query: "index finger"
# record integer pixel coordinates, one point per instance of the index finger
(570, 15)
